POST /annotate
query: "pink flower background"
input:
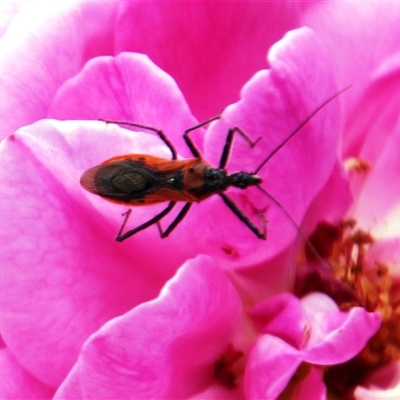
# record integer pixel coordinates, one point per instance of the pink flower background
(82, 316)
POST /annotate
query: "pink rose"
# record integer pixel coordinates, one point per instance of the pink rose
(82, 315)
(360, 239)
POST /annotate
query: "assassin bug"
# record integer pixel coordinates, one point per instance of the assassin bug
(142, 179)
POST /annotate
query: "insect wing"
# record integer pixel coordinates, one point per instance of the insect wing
(137, 179)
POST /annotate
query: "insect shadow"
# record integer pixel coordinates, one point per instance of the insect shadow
(142, 179)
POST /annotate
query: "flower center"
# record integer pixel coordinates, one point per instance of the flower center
(226, 368)
(366, 284)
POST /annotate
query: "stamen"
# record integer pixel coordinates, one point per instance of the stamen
(345, 247)
(225, 369)
(357, 165)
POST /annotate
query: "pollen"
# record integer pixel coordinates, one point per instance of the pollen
(357, 165)
(345, 247)
(227, 369)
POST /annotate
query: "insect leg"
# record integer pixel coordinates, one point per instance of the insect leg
(122, 236)
(127, 214)
(175, 222)
(193, 148)
(228, 144)
(262, 234)
(159, 132)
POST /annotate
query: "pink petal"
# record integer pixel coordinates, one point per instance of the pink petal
(265, 280)
(218, 392)
(54, 42)
(367, 131)
(270, 366)
(57, 248)
(311, 386)
(128, 87)
(275, 315)
(210, 48)
(8, 11)
(377, 204)
(332, 202)
(273, 105)
(337, 337)
(165, 348)
(17, 383)
(359, 35)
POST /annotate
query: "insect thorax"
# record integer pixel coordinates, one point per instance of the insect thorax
(202, 180)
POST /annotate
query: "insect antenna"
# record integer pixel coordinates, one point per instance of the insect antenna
(307, 241)
(299, 127)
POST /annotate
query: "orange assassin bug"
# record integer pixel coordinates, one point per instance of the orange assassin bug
(142, 179)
